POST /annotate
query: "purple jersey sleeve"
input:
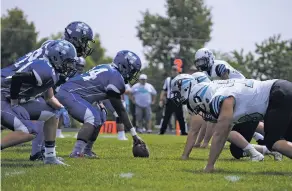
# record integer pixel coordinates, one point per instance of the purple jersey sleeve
(43, 72)
(116, 84)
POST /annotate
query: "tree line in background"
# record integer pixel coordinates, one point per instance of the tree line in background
(185, 28)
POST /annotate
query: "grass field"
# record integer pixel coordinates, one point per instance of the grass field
(117, 169)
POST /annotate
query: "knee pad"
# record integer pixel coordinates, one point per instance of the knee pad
(25, 126)
(236, 151)
(91, 119)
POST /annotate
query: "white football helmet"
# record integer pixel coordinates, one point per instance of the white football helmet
(201, 95)
(201, 77)
(180, 88)
(204, 59)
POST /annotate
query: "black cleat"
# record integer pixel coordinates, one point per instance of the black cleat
(37, 156)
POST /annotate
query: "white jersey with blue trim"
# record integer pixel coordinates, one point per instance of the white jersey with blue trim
(219, 68)
(251, 98)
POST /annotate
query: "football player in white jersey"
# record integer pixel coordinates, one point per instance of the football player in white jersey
(219, 70)
(239, 137)
(237, 101)
(215, 69)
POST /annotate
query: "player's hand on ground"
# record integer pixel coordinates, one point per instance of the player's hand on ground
(204, 145)
(209, 169)
(183, 157)
(197, 145)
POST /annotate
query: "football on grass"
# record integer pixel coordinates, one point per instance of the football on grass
(140, 150)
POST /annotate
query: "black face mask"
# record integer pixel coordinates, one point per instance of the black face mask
(69, 67)
(202, 64)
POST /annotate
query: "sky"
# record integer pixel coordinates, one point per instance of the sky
(237, 23)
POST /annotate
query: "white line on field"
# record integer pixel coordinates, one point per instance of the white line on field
(101, 136)
(232, 178)
(14, 173)
(126, 175)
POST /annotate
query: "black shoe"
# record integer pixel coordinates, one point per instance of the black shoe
(184, 134)
(160, 133)
(37, 156)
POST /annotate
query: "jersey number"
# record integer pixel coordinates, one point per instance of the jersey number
(30, 57)
(92, 74)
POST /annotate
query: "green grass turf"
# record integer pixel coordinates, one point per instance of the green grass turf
(162, 171)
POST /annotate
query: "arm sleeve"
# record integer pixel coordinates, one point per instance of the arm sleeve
(18, 79)
(108, 105)
(43, 72)
(221, 70)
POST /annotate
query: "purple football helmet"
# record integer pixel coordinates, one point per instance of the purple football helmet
(128, 64)
(79, 34)
(62, 55)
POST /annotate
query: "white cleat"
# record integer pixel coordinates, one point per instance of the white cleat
(54, 161)
(277, 156)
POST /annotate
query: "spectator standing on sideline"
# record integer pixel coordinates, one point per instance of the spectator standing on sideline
(143, 96)
(170, 106)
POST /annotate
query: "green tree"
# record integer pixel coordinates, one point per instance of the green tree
(18, 36)
(274, 59)
(98, 54)
(271, 60)
(185, 29)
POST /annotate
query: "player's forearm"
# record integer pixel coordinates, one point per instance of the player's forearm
(222, 129)
(209, 132)
(54, 103)
(191, 139)
(125, 119)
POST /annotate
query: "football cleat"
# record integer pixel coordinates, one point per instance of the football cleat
(37, 157)
(54, 161)
(89, 154)
(76, 155)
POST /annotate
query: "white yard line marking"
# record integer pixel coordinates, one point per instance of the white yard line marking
(126, 175)
(14, 173)
(232, 178)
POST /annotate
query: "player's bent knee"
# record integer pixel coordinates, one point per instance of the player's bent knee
(270, 143)
(19, 126)
(46, 115)
(235, 151)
